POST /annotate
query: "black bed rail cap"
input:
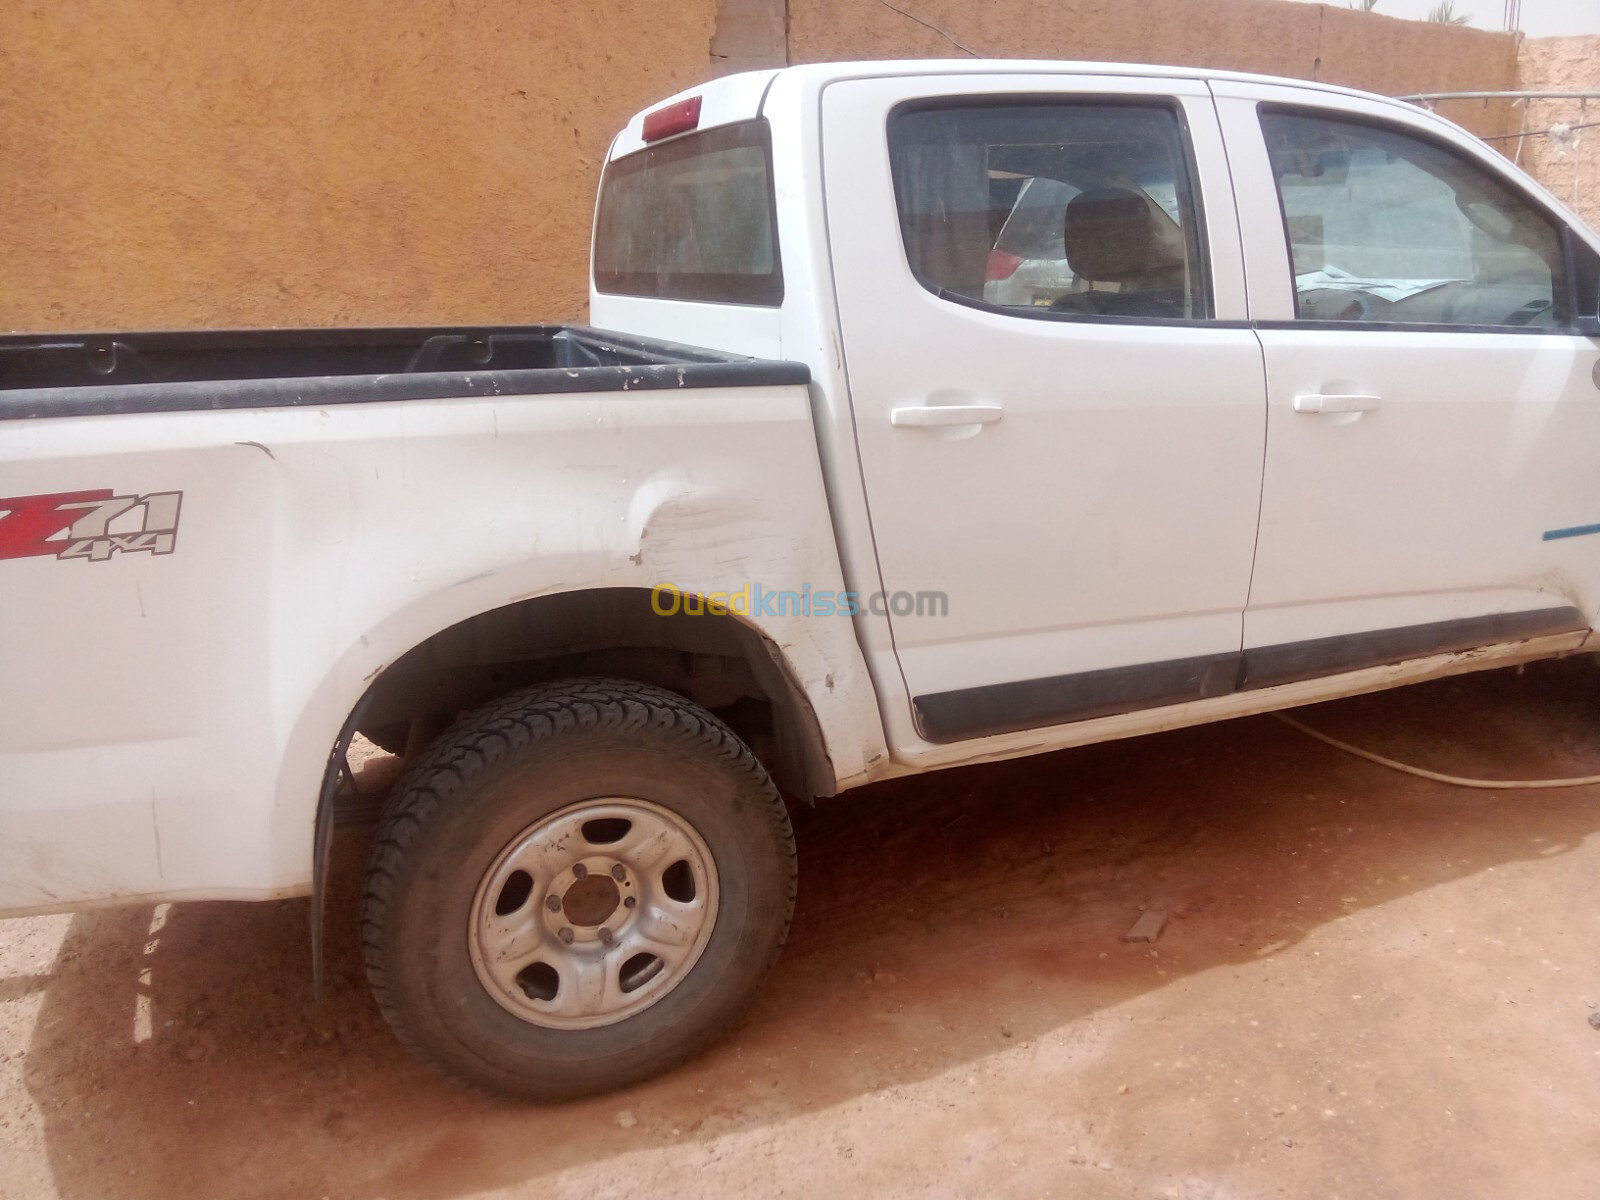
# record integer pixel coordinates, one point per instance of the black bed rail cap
(61, 375)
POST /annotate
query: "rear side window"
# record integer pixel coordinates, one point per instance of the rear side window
(1082, 208)
(692, 219)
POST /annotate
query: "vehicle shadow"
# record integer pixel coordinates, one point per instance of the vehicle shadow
(942, 919)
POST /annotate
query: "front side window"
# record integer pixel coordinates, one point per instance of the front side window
(1081, 208)
(1386, 227)
(692, 219)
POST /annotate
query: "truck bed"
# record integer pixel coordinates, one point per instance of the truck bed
(70, 375)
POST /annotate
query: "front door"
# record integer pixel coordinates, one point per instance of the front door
(1434, 422)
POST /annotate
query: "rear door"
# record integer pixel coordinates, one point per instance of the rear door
(1434, 421)
(1062, 458)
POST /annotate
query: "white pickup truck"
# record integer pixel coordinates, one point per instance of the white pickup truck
(1036, 404)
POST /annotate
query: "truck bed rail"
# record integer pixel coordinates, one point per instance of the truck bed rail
(66, 375)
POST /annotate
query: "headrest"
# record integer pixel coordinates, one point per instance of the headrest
(1112, 236)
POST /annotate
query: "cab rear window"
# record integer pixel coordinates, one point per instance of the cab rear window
(692, 219)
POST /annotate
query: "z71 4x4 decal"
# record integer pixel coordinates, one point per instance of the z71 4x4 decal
(93, 525)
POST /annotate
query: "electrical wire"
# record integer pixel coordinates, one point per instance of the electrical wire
(945, 34)
(1506, 137)
(1501, 785)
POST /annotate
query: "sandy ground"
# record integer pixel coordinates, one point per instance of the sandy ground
(1367, 985)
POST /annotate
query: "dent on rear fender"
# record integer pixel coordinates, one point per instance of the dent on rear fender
(663, 508)
(750, 509)
(669, 520)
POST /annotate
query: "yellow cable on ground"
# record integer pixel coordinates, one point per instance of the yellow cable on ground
(1502, 785)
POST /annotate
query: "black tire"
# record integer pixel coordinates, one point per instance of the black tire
(479, 793)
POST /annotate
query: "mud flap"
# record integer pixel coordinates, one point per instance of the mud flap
(336, 773)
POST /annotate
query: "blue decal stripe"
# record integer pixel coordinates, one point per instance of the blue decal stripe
(1551, 535)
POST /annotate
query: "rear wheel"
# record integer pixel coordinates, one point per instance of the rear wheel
(575, 888)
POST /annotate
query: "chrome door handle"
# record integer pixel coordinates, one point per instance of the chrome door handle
(1320, 403)
(924, 415)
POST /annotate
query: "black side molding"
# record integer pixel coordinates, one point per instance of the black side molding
(1269, 666)
(954, 716)
(1031, 703)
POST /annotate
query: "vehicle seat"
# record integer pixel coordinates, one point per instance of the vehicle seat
(1112, 237)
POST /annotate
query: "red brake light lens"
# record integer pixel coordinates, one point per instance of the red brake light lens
(673, 119)
(1001, 266)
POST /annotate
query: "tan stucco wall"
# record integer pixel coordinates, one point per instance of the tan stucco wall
(180, 163)
(1569, 166)
(174, 163)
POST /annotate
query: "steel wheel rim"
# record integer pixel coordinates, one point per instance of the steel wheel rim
(594, 913)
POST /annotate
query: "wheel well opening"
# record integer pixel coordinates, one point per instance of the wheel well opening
(717, 661)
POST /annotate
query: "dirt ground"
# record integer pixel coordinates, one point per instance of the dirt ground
(1367, 986)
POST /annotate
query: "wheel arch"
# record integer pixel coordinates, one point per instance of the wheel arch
(721, 662)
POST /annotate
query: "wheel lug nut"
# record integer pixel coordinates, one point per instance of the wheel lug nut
(566, 936)
(605, 936)
(580, 871)
(619, 872)
(629, 902)
(553, 902)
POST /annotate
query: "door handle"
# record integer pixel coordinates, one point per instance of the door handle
(1320, 403)
(925, 415)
